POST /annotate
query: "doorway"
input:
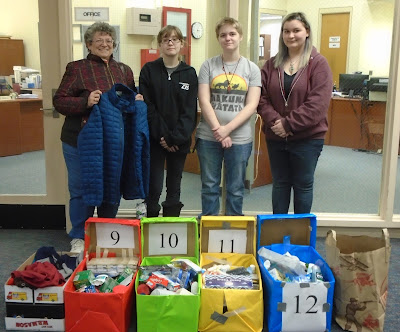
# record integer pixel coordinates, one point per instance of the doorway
(47, 209)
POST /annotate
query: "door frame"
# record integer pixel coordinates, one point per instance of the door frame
(55, 31)
(337, 10)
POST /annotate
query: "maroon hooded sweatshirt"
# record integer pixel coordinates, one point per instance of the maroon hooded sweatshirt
(307, 106)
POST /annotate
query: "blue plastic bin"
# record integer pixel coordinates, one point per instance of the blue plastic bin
(290, 306)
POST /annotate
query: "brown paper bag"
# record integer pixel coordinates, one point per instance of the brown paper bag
(360, 265)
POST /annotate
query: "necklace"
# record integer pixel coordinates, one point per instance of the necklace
(291, 89)
(229, 67)
(226, 76)
(291, 65)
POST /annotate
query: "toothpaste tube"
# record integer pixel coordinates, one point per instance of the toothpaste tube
(157, 279)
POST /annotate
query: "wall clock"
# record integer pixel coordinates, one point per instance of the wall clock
(197, 30)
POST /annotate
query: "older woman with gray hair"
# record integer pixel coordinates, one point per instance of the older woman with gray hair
(81, 88)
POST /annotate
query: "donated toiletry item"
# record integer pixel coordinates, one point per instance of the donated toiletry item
(194, 288)
(143, 289)
(83, 278)
(162, 291)
(285, 263)
(128, 272)
(188, 263)
(100, 279)
(108, 285)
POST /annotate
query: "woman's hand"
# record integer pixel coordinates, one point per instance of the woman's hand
(226, 142)
(278, 129)
(221, 133)
(164, 144)
(94, 98)
(139, 97)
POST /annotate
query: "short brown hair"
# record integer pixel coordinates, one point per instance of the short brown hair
(167, 31)
(231, 21)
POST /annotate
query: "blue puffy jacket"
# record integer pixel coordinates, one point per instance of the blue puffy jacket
(114, 149)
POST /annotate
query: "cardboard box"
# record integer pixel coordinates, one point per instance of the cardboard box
(162, 240)
(233, 240)
(291, 306)
(26, 308)
(34, 324)
(103, 311)
(13, 293)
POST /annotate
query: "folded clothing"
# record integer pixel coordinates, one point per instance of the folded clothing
(49, 252)
(38, 275)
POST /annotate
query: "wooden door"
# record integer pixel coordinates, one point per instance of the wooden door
(12, 54)
(265, 47)
(334, 42)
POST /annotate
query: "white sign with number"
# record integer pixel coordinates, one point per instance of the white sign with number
(304, 307)
(115, 236)
(227, 241)
(168, 239)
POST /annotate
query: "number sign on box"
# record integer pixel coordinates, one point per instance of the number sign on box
(114, 236)
(168, 239)
(304, 307)
(227, 241)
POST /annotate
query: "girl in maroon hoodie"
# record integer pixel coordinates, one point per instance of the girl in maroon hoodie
(295, 96)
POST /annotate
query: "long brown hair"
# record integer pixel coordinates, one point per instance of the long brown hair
(283, 52)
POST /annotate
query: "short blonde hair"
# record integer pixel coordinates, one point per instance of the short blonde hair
(231, 21)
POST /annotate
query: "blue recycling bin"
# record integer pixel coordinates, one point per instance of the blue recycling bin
(293, 306)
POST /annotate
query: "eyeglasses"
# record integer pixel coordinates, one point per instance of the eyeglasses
(101, 41)
(173, 40)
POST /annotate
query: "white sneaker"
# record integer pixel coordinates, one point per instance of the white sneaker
(77, 245)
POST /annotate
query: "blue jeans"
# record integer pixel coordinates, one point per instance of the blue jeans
(293, 165)
(211, 154)
(79, 212)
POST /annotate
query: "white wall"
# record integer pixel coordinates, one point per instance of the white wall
(370, 35)
(370, 30)
(19, 19)
(130, 45)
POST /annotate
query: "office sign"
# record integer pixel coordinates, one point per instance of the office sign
(91, 14)
(334, 39)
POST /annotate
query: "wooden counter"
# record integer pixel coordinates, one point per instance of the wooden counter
(355, 123)
(21, 126)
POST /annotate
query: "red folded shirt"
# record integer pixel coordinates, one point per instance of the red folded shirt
(39, 275)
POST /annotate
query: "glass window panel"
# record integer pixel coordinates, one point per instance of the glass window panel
(178, 19)
(348, 174)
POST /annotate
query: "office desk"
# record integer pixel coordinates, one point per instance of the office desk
(21, 126)
(355, 123)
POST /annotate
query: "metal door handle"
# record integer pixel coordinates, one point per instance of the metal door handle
(53, 112)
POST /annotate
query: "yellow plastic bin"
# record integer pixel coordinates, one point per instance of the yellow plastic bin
(231, 240)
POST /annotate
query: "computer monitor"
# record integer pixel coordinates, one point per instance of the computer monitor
(352, 84)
